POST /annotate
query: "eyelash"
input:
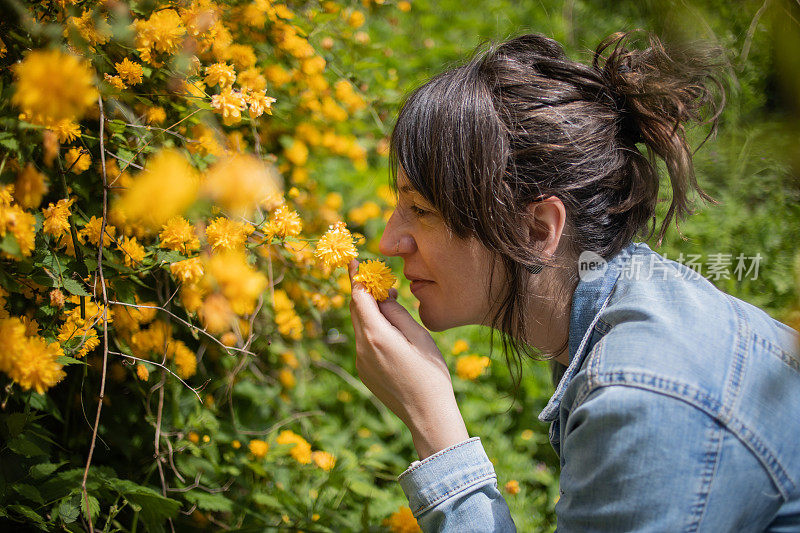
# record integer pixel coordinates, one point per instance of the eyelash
(418, 211)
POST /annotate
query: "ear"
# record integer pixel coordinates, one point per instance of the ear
(546, 220)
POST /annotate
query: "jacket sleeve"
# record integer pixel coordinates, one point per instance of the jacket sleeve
(455, 490)
(635, 459)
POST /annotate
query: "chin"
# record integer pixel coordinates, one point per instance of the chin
(437, 321)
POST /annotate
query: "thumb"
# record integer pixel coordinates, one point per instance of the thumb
(400, 318)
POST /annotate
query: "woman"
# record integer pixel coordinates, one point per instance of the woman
(521, 184)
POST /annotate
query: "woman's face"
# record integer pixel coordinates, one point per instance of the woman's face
(449, 276)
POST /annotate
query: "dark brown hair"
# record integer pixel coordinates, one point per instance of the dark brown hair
(521, 121)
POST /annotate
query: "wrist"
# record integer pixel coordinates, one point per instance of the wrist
(437, 434)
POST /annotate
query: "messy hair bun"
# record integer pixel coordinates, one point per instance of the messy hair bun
(657, 92)
(521, 121)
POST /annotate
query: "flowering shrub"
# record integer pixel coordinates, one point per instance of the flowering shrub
(172, 273)
(174, 340)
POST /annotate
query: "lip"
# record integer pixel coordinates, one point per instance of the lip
(418, 284)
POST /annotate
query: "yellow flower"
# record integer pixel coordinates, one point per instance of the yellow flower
(239, 182)
(226, 234)
(78, 160)
(512, 487)
(301, 449)
(132, 251)
(284, 223)
(165, 188)
(526, 434)
(324, 460)
(155, 115)
(194, 437)
(471, 366)
(161, 33)
(240, 283)
(92, 231)
(28, 360)
(336, 247)
(376, 277)
(66, 130)
(185, 359)
(220, 74)
(277, 75)
(252, 79)
(356, 19)
(53, 86)
(289, 359)
(286, 378)
(258, 448)
(187, 271)
(235, 444)
(259, 103)
(367, 211)
(115, 81)
(402, 521)
(56, 218)
(30, 187)
(460, 346)
(404, 6)
(142, 372)
(242, 55)
(93, 33)
(57, 298)
(216, 313)
(229, 104)
(130, 71)
(297, 153)
(178, 235)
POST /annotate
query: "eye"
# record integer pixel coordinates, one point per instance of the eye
(418, 211)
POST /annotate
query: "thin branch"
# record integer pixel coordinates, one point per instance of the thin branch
(197, 485)
(182, 321)
(748, 41)
(105, 316)
(159, 365)
(356, 384)
(285, 421)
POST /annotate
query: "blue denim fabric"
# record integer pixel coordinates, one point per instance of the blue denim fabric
(679, 411)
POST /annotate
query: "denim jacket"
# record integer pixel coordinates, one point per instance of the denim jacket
(679, 411)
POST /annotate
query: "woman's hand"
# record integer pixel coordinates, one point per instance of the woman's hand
(399, 362)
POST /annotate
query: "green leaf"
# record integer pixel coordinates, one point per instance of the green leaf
(67, 360)
(155, 509)
(94, 506)
(267, 501)
(15, 423)
(68, 510)
(169, 256)
(28, 492)
(11, 144)
(362, 489)
(43, 470)
(23, 446)
(209, 502)
(125, 290)
(9, 245)
(74, 287)
(28, 513)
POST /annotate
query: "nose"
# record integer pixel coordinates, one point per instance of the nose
(396, 240)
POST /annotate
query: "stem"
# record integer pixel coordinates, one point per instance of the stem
(105, 315)
(72, 231)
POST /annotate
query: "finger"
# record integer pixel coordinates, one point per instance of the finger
(362, 305)
(400, 318)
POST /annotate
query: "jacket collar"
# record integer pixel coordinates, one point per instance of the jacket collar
(597, 280)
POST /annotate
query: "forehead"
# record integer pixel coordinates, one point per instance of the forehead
(404, 185)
